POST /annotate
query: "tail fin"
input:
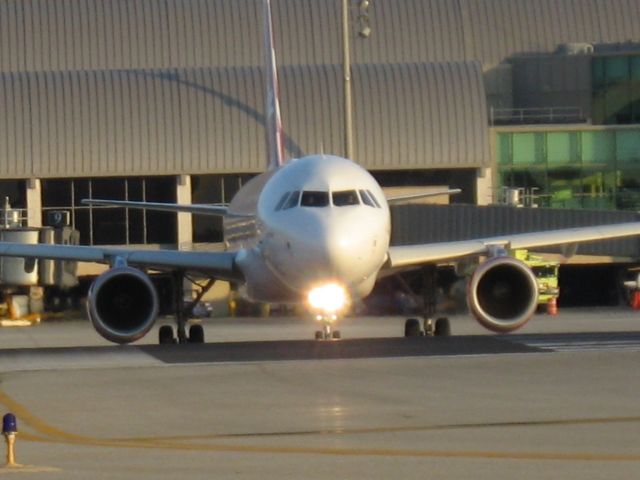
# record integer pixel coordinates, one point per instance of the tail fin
(274, 132)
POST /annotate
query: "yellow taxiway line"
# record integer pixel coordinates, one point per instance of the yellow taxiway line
(49, 434)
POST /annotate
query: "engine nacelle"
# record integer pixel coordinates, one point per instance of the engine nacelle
(503, 294)
(122, 304)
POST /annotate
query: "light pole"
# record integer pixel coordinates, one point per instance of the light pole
(364, 32)
(346, 72)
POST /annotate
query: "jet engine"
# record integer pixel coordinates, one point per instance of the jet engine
(503, 294)
(122, 304)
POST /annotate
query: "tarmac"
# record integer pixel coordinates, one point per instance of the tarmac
(557, 400)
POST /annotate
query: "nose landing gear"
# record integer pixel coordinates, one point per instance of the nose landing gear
(327, 332)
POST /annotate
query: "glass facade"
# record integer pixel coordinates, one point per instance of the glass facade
(213, 189)
(616, 89)
(594, 169)
(99, 225)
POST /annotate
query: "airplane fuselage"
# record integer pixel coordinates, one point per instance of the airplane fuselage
(317, 220)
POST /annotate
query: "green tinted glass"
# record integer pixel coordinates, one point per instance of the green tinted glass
(528, 148)
(628, 147)
(503, 147)
(562, 148)
(598, 147)
(617, 69)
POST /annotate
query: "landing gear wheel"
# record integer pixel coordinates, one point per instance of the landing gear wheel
(335, 334)
(412, 328)
(442, 328)
(165, 335)
(196, 334)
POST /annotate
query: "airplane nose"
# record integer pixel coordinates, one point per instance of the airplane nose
(344, 251)
(336, 248)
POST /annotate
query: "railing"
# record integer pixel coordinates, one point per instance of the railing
(627, 199)
(525, 116)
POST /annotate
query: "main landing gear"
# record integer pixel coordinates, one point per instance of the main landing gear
(182, 312)
(441, 327)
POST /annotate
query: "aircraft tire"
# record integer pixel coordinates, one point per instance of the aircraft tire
(196, 334)
(412, 328)
(442, 328)
(165, 335)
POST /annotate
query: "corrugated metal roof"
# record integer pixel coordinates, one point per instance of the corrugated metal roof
(46, 35)
(140, 122)
(503, 28)
(421, 116)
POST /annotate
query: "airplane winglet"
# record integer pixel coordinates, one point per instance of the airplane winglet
(273, 120)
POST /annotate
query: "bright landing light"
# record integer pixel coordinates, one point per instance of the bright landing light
(328, 298)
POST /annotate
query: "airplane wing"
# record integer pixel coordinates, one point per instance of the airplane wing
(214, 209)
(414, 196)
(221, 265)
(408, 255)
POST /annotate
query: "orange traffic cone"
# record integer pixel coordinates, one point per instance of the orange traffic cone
(635, 300)
(552, 306)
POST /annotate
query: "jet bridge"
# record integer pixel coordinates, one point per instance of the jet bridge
(30, 286)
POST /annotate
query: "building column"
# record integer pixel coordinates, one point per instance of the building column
(484, 186)
(34, 202)
(185, 224)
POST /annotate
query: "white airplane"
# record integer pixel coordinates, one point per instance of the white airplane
(313, 230)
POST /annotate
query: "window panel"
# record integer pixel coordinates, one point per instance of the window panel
(527, 148)
(598, 72)
(617, 70)
(109, 226)
(206, 189)
(598, 148)
(231, 187)
(56, 193)
(503, 146)
(628, 147)
(80, 191)
(635, 67)
(108, 188)
(135, 189)
(628, 189)
(562, 148)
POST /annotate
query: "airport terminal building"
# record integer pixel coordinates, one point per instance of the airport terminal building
(163, 101)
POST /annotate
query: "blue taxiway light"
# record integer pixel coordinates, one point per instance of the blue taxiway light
(9, 424)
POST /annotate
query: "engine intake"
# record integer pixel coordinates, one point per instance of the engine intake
(503, 294)
(122, 304)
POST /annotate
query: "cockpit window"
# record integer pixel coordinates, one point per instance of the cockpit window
(374, 199)
(366, 199)
(344, 198)
(293, 200)
(281, 201)
(314, 199)
(369, 199)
